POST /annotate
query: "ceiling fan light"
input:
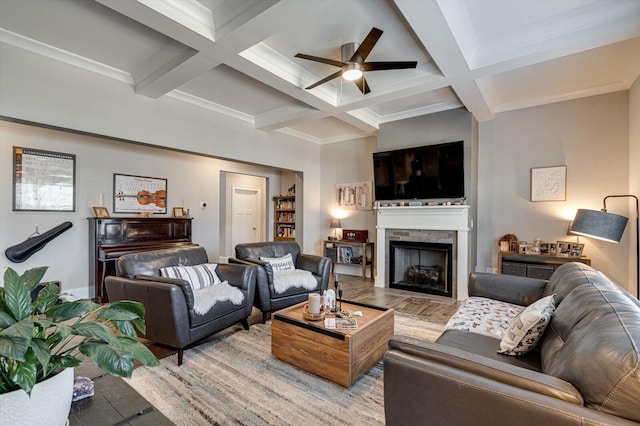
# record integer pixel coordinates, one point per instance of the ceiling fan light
(352, 71)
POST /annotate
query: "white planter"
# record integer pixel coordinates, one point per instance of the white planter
(49, 404)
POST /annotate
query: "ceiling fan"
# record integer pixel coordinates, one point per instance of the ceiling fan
(353, 65)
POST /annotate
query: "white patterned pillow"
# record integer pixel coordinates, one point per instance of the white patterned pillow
(283, 263)
(198, 276)
(525, 331)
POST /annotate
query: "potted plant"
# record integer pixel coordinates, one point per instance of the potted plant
(43, 339)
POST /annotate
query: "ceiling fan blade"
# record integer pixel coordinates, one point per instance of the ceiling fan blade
(324, 80)
(319, 59)
(380, 66)
(362, 85)
(366, 46)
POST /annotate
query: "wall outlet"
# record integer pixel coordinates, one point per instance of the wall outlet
(491, 270)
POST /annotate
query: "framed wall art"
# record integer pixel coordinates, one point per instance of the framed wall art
(354, 196)
(549, 183)
(43, 180)
(139, 194)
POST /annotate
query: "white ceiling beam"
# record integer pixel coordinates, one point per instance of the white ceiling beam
(231, 15)
(156, 15)
(360, 121)
(181, 60)
(439, 40)
(415, 87)
(255, 27)
(168, 69)
(287, 116)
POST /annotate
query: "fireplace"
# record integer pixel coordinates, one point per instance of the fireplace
(432, 225)
(422, 267)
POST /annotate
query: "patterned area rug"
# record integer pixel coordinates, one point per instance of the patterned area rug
(234, 379)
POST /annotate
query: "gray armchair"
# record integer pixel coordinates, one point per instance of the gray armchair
(169, 303)
(267, 299)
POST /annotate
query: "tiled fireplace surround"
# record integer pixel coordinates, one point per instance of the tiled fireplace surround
(431, 224)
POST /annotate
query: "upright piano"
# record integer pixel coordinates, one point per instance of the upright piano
(110, 238)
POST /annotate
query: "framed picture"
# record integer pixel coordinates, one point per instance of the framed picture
(576, 250)
(553, 249)
(544, 249)
(531, 249)
(549, 183)
(100, 212)
(43, 180)
(138, 194)
(354, 196)
(564, 248)
(178, 212)
(526, 248)
(522, 247)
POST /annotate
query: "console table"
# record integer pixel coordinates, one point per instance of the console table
(362, 254)
(533, 265)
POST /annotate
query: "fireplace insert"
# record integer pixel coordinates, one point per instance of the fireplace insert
(421, 266)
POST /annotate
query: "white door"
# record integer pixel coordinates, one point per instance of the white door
(245, 215)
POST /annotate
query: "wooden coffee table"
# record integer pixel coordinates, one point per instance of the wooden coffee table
(341, 356)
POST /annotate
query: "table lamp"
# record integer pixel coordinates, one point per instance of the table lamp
(335, 224)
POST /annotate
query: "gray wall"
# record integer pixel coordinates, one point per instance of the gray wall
(66, 96)
(190, 180)
(346, 162)
(591, 137)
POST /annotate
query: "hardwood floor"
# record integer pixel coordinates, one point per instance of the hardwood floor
(436, 308)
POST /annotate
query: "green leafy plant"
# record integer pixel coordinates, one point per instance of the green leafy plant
(41, 337)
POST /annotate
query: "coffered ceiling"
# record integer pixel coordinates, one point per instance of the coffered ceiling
(237, 57)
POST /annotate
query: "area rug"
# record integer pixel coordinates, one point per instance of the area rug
(234, 379)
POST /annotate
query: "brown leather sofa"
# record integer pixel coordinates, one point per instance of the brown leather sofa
(169, 303)
(584, 371)
(267, 299)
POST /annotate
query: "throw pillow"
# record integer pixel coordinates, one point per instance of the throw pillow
(283, 263)
(198, 276)
(525, 331)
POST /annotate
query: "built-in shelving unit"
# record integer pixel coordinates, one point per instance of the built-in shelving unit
(284, 216)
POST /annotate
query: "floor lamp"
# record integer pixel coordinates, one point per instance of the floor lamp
(607, 226)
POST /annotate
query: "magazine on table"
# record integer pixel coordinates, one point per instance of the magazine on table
(340, 323)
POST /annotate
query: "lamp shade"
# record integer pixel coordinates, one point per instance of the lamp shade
(599, 224)
(335, 223)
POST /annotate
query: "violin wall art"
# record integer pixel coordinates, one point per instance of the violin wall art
(139, 194)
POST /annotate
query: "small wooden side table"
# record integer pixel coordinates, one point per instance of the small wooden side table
(331, 250)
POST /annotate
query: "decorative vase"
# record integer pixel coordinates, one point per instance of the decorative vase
(49, 404)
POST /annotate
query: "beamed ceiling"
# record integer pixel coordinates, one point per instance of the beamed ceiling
(237, 57)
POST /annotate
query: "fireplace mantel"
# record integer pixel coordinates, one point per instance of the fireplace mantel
(428, 218)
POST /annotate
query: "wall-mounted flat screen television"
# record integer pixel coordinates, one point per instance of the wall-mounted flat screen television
(426, 172)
